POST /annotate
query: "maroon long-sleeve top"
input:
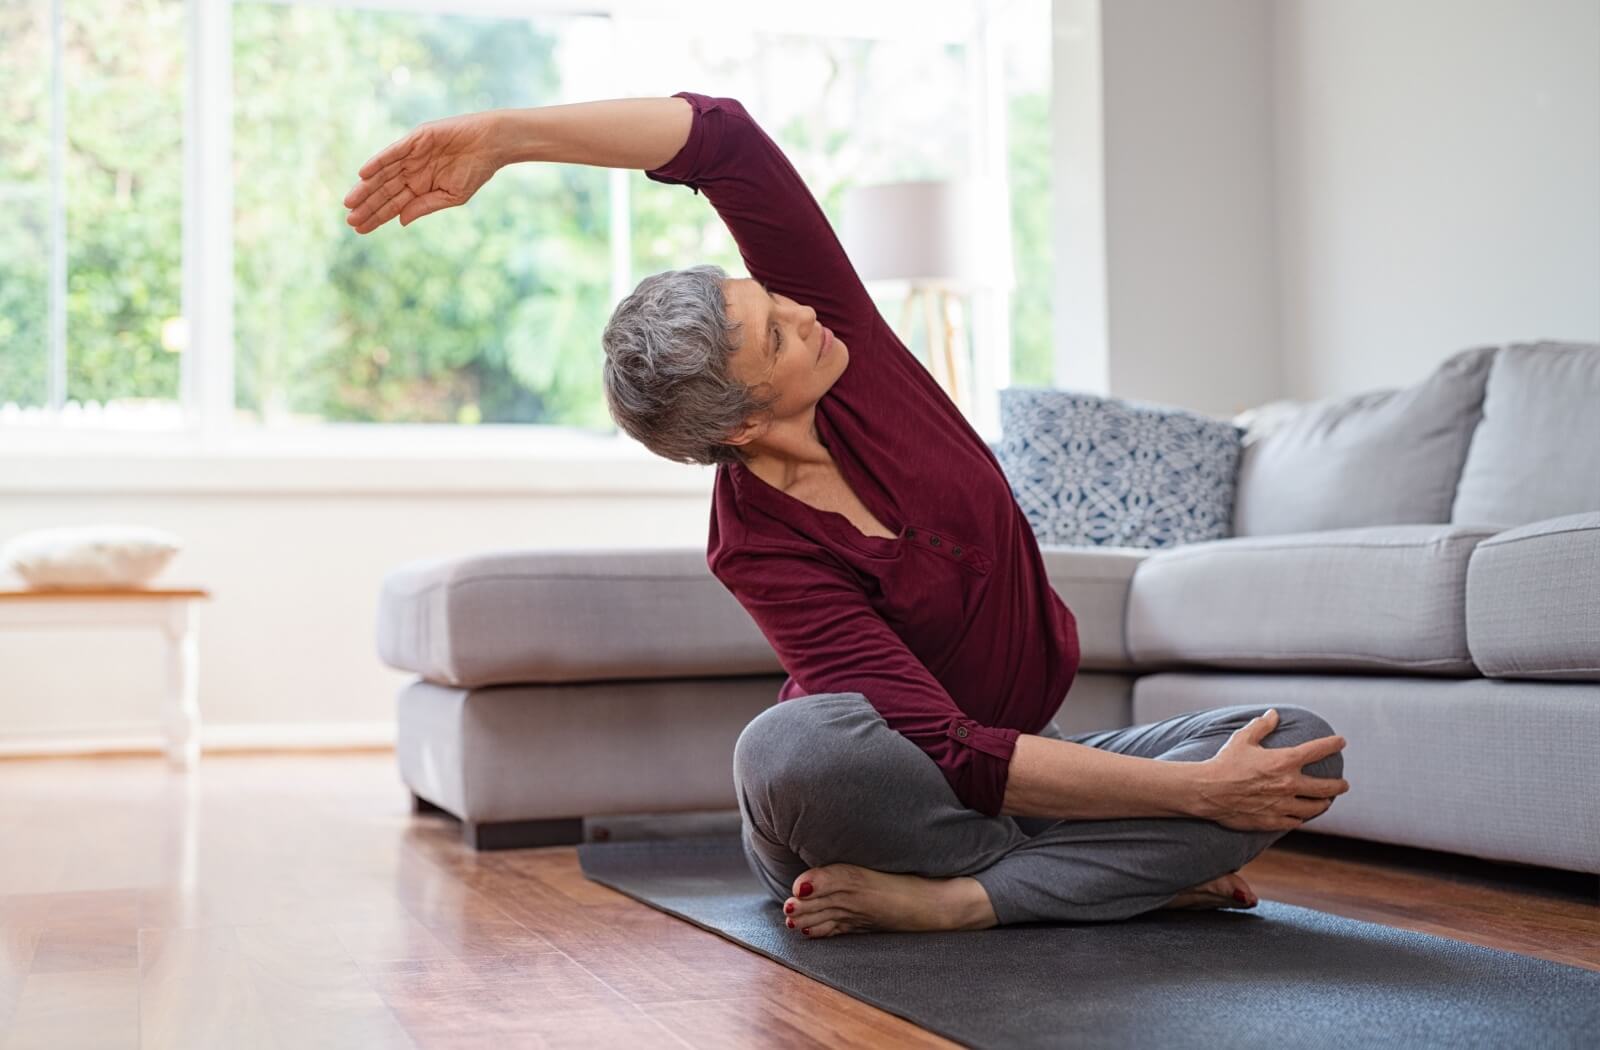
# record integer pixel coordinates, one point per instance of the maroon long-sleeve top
(950, 629)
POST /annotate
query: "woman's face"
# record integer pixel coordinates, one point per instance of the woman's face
(784, 345)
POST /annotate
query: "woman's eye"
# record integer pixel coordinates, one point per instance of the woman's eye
(779, 337)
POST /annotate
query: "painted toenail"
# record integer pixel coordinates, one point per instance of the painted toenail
(805, 889)
(788, 909)
(806, 930)
(790, 922)
(1239, 896)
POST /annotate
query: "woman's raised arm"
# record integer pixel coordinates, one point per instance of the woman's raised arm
(442, 163)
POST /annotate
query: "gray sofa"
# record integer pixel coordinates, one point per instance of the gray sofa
(1420, 566)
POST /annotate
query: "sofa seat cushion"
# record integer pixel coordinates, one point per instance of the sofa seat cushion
(552, 615)
(1533, 600)
(1093, 582)
(1385, 597)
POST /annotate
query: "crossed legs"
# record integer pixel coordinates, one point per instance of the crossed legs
(823, 779)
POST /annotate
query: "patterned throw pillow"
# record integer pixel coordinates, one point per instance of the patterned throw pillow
(1096, 471)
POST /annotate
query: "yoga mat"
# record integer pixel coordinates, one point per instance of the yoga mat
(1274, 976)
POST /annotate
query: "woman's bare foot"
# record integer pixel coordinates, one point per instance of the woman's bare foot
(847, 898)
(1224, 891)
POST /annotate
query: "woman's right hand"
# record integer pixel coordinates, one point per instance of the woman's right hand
(437, 165)
(1248, 787)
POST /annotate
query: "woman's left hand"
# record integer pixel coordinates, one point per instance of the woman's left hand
(1249, 787)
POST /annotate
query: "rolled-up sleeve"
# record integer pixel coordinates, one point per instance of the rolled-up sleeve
(783, 235)
(830, 640)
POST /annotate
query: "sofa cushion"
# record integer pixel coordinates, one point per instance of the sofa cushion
(1536, 454)
(1089, 470)
(552, 615)
(1533, 600)
(1387, 457)
(1386, 597)
(1093, 582)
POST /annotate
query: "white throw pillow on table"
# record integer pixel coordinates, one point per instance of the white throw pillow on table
(90, 556)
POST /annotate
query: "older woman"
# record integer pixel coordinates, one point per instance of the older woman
(911, 776)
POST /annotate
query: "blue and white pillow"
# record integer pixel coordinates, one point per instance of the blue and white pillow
(1097, 471)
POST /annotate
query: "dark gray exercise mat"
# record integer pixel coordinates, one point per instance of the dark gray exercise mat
(1274, 976)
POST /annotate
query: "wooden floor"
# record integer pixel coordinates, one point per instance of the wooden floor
(294, 901)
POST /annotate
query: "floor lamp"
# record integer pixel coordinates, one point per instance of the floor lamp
(925, 233)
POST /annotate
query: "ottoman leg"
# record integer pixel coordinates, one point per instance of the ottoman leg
(522, 834)
(422, 805)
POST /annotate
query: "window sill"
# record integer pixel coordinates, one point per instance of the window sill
(344, 462)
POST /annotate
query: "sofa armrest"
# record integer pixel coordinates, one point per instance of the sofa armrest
(1094, 584)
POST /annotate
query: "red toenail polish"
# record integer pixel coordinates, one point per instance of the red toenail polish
(806, 930)
(790, 922)
(1239, 896)
(805, 889)
(788, 909)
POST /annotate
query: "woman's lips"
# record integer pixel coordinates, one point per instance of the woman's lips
(827, 341)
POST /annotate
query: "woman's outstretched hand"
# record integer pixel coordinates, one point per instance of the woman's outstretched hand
(1248, 787)
(438, 165)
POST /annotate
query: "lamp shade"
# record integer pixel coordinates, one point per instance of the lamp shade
(929, 230)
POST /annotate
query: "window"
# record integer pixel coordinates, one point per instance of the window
(488, 314)
(115, 281)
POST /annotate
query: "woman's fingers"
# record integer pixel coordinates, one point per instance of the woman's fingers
(386, 166)
(384, 193)
(1257, 729)
(391, 153)
(390, 209)
(426, 204)
(1306, 808)
(1321, 787)
(364, 189)
(1315, 750)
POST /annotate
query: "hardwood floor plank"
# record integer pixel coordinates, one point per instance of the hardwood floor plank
(446, 1002)
(802, 1018)
(312, 992)
(73, 949)
(1534, 911)
(94, 1010)
(196, 990)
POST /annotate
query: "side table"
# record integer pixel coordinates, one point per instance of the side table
(169, 609)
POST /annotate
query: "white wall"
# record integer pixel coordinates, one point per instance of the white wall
(1303, 198)
(1190, 230)
(1438, 182)
(287, 650)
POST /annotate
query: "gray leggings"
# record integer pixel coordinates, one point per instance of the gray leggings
(822, 779)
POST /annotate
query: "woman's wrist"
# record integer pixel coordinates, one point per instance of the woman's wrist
(1188, 789)
(1061, 779)
(515, 135)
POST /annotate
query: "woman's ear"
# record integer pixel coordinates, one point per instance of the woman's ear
(746, 432)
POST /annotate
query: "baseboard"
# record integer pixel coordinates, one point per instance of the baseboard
(265, 736)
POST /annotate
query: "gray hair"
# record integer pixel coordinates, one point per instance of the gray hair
(666, 374)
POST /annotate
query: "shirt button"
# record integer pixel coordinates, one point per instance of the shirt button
(910, 532)
(961, 731)
(934, 541)
(956, 551)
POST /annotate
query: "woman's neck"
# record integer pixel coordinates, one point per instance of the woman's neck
(782, 458)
